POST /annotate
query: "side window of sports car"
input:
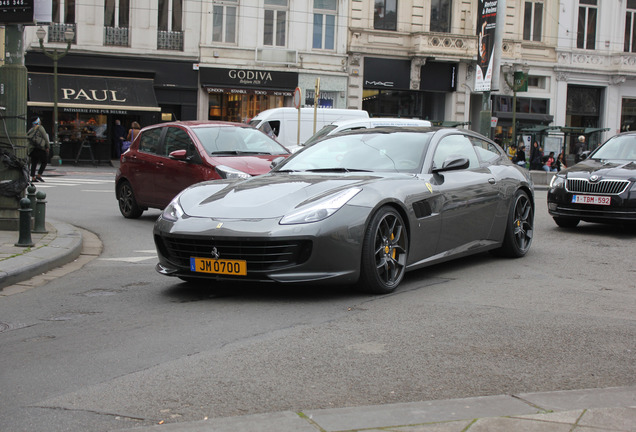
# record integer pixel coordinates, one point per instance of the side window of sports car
(455, 146)
(149, 141)
(177, 139)
(486, 151)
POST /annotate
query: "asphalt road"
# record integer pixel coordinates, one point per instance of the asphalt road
(116, 345)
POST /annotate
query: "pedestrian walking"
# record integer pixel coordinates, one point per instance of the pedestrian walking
(119, 136)
(38, 149)
(132, 133)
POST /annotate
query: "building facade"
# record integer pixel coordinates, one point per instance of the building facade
(151, 61)
(130, 61)
(254, 53)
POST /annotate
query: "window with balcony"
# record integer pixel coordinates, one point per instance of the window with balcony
(441, 16)
(533, 21)
(224, 21)
(586, 34)
(274, 33)
(324, 34)
(63, 19)
(385, 15)
(170, 25)
(116, 22)
(630, 27)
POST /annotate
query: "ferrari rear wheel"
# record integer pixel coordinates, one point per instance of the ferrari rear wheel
(566, 222)
(384, 252)
(520, 227)
(127, 203)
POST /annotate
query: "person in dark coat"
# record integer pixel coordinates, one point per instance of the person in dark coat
(520, 156)
(536, 157)
(38, 149)
(119, 136)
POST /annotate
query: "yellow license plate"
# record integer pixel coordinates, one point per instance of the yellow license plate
(218, 266)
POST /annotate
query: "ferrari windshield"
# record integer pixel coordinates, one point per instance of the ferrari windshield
(617, 148)
(389, 152)
(233, 140)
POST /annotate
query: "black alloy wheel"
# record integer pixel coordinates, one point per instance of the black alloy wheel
(384, 252)
(127, 203)
(520, 227)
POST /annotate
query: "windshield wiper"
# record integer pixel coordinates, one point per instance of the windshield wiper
(236, 153)
(337, 170)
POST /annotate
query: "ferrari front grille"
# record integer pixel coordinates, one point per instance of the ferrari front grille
(606, 187)
(261, 255)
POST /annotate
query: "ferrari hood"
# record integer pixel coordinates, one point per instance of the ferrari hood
(267, 196)
(603, 168)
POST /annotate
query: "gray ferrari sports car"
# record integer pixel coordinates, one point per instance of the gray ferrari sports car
(358, 208)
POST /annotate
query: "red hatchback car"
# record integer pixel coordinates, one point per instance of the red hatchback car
(166, 158)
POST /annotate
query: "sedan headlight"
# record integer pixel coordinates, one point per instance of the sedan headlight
(230, 173)
(320, 209)
(173, 211)
(557, 181)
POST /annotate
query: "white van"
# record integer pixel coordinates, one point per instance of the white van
(347, 125)
(282, 123)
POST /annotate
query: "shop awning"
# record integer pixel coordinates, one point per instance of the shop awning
(540, 129)
(582, 130)
(533, 117)
(81, 92)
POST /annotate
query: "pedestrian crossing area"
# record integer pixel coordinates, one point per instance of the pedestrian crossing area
(86, 184)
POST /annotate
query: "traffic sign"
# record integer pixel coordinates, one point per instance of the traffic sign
(297, 97)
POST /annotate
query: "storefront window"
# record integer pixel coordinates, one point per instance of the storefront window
(326, 100)
(240, 107)
(628, 115)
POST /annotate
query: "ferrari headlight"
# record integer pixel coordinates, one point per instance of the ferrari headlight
(230, 173)
(173, 211)
(557, 181)
(320, 209)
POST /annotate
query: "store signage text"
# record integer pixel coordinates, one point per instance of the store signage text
(249, 76)
(94, 111)
(380, 83)
(91, 95)
(249, 91)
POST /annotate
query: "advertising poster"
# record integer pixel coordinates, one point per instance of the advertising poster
(486, 22)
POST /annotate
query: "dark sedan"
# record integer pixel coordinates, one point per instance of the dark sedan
(601, 188)
(362, 207)
(166, 158)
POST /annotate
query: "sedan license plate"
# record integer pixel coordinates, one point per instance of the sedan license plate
(218, 266)
(591, 199)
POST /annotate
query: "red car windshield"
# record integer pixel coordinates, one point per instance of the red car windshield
(222, 140)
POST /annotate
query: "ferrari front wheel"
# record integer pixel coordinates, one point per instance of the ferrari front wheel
(520, 227)
(384, 252)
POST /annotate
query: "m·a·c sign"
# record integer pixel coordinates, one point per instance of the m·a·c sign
(17, 11)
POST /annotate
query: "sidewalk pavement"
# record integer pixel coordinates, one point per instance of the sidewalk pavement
(611, 409)
(65, 248)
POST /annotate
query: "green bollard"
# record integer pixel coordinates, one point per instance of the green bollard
(39, 225)
(31, 195)
(25, 224)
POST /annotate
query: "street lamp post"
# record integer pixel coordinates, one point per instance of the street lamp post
(517, 80)
(55, 55)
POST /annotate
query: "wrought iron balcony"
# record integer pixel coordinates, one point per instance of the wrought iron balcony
(116, 36)
(56, 32)
(170, 40)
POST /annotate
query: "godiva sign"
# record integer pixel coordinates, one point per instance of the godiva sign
(247, 78)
